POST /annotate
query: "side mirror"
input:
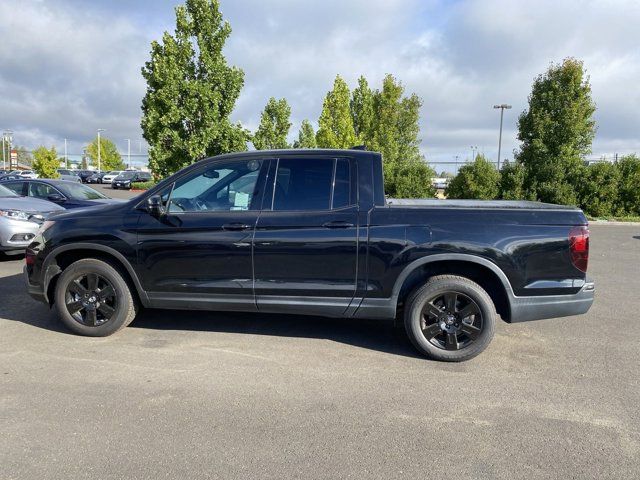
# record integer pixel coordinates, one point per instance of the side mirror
(56, 197)
(154, 206)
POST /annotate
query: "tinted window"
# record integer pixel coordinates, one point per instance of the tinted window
(15, 187)
(303, 184)
(223, 186)
(41, 190)
(5, 192)
(342, 184)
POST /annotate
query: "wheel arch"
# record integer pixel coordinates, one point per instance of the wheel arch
(63, 256)
(480, 270)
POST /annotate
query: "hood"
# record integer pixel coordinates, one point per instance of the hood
(28, 204)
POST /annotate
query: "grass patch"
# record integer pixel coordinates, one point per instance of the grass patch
(626, 218)
(143, 185)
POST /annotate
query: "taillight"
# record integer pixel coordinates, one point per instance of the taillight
(579, 246)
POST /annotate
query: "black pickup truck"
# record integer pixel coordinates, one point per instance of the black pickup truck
(311, 232)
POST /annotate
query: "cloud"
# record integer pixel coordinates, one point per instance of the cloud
(70, 67)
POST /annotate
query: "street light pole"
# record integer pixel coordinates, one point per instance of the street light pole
(129, 152)
(99, 159)
(502, 108)
(66, 159)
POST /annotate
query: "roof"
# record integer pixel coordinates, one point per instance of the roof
(295, 151)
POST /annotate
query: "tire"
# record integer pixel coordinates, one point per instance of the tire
(82, 289)
(450, 318)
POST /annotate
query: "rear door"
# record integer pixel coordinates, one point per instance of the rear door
(305, 244)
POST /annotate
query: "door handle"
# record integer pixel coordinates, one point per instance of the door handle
(235, 226)
(337, 224)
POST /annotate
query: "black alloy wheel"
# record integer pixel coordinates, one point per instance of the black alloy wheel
(91, 300)
(451, 320)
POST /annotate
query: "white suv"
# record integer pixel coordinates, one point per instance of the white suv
(28, 174)
(108, 178)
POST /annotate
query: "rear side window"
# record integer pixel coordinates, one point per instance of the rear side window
(311, 184)
(341, 184)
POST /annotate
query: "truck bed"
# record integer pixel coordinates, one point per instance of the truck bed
(481, 204)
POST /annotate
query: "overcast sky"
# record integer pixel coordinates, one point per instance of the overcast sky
(68, 67)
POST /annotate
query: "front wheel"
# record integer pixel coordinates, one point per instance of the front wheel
(93, 298)
(450, 318)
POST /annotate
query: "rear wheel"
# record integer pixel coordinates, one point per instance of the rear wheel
(94, 299)
(450, 318)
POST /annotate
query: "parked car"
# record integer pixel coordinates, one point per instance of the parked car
(20, 219)
(10, 176)
(310, 232)
(66, 194)
(27, 174)
(127, 179)
(108, 177)
(69, 175)
(85, 174)
(96, 177)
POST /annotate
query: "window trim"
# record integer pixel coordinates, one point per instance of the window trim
(352, 202)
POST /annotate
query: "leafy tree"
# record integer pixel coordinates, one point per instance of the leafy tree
(598, 189)
(478, 180)
(274, 125)
(512, 181)
(46, 162)
(362, 110)
(412, 179)
(191, 91)
(335, 126)
(629, 186)
(24, 156)
(110, 159)
(556, 132)
(306, 136)
(394, 132)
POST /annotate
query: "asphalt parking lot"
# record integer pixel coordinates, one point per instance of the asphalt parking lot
(219, 395)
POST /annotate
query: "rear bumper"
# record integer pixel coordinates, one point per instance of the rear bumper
(524, 309)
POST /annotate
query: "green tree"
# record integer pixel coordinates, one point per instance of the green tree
(362, 110)
(110, 159)
(335, 126)
(394, 132)
(478, 180)
(598, 189)
(45, 162)
(274, 125)
(629, 186)
(306, 136)
(512, 181)
(556, 132)
(191, 91)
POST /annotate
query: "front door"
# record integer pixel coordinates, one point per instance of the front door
(305, 244)
(198, 254)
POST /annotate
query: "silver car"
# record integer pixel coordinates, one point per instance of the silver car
(20, 219)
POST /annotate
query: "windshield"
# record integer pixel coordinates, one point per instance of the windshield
(127, 175)
(114, 173)
(5, 192)
(79, 191)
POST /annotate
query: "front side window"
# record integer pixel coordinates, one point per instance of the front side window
(82, 192)
(223, 186)
(41, 190)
